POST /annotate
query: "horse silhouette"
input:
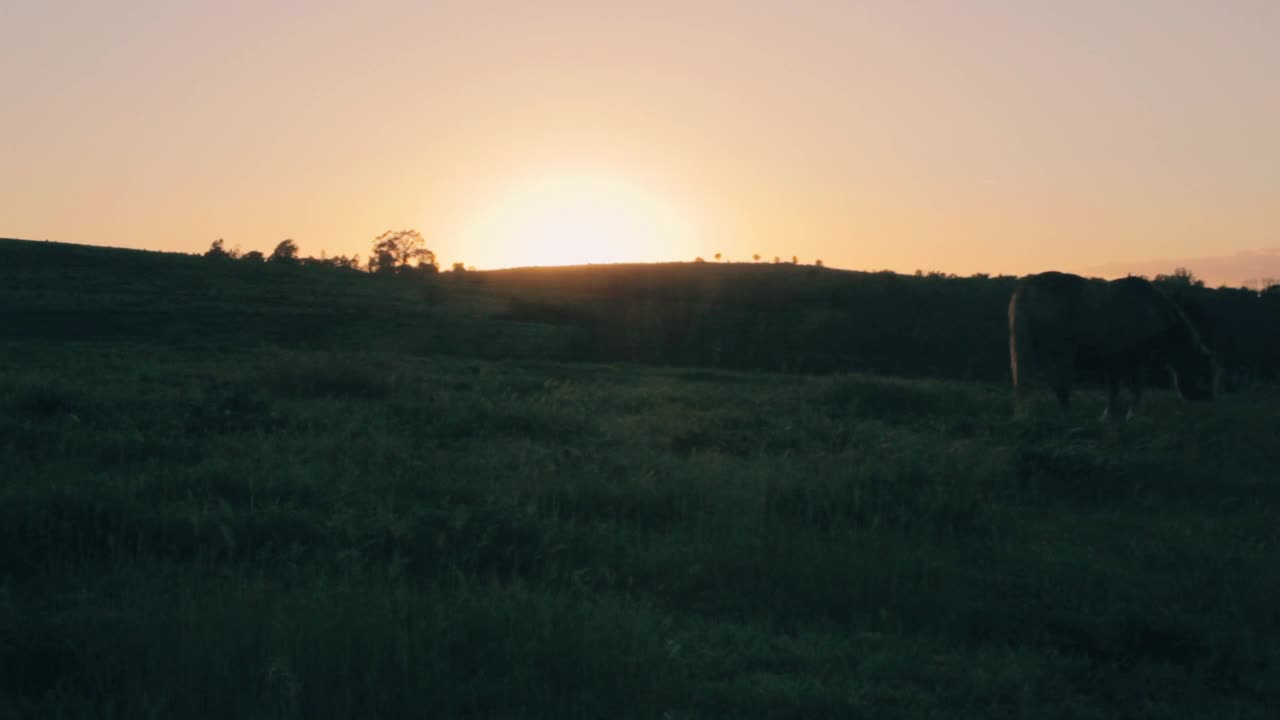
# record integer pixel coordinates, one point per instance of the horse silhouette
(1062, 326)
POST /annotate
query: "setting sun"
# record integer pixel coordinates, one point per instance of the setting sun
(577, 219)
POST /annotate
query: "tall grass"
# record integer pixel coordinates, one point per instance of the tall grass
(264, 533)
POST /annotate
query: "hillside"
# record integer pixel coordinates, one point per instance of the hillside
(734, 316)
(55, 291)
(204, 514)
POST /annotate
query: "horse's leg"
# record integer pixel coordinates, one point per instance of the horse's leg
(1060, 377)
(1063, 391)
(1135, 384)
(1113, 392)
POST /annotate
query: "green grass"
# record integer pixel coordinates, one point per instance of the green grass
(271, 492)
(265, 532)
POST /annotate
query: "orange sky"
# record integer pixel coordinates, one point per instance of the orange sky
(989, 135)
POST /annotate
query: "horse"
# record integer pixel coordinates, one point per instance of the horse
(1061, 325)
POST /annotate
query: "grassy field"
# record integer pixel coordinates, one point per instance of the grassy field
(195, 527)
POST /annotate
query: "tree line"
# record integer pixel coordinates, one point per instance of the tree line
(806, 319)
(393, 252)
(797, 318)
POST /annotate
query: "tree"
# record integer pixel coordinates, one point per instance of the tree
(342, 262)
(459, 267)
(351, 262)
(286, 253)
(795, 260)
(1181, 277)
(218, 250)
(717, 257)
(756, 257)
(397, 251)
(818, 262)
(699, 259)
(776, 259)
(253, 256)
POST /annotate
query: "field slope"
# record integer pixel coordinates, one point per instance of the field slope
(239, 524)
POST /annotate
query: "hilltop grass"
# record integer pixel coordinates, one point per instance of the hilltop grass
(257, 532)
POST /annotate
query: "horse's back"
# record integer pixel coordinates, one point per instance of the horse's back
(1047, 307)
(1067, 314)
(1043, 327)
(1131, 314)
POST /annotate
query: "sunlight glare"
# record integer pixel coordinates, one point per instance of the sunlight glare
(575, 220)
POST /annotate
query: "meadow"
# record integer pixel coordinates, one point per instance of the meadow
(207, 516)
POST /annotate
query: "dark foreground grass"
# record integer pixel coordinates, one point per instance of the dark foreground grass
(261, 533)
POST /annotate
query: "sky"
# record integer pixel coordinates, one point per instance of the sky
(999, 136)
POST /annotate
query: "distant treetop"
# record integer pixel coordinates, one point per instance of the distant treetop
(218, 250)
(286, 253)
(1181, 277)
(396, 251)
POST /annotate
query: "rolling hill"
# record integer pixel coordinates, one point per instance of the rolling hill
(256, 491)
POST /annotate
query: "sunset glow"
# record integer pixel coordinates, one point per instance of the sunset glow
(985, 136)
(577, 219)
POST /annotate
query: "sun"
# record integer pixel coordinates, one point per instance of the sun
(576, 220)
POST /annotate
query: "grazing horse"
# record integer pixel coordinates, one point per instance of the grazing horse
(1062, 324)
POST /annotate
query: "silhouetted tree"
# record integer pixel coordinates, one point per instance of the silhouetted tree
(1181, 277)
(717, 257)
(346, 262)
(381, 262)
(253, 256)
(218, 250)
(795, 260)
(397, 251)
(341, 262)
(756, 257)
(459, 267)
(818, 262)
(699, 259)
(286, 253)
(776, 259)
